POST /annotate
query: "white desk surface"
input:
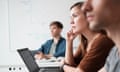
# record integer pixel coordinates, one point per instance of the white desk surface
(49, 63)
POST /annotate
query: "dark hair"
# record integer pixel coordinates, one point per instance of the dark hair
(57, 23)
(78, 4)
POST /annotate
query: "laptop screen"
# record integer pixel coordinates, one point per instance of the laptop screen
(28, 60)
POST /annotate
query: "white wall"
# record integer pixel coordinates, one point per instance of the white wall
(24, 23)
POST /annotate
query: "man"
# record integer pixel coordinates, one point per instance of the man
(105, 15)
(54, 47)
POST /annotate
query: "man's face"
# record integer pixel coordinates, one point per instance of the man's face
(55, 31)
(102, 14)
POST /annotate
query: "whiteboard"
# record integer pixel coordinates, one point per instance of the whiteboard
(29, 21)
(25, 23)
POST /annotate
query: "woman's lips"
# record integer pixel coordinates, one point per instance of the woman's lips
(73, 27)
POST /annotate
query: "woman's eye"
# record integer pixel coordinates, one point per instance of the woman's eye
(74, 15)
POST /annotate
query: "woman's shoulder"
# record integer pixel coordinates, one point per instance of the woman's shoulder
(101, 41)
(101, 38)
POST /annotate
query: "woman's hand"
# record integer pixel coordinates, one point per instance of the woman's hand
(69, 59)
(67, 68)
(70, 35)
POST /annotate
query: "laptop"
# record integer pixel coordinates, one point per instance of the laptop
(28, 60)
(31, 64)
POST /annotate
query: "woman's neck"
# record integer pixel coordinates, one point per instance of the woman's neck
(89, 35)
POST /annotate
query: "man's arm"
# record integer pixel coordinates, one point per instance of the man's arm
(40, 55)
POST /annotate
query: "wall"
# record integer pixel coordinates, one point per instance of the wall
(25, 23)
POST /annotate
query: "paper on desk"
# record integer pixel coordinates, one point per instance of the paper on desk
(52, 62)
(52, 59)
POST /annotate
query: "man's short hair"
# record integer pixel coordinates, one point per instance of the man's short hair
(57, 23)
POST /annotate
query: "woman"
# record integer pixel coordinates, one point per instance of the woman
(93, 49)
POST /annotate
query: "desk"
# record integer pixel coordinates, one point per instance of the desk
(48, 63)
(49, 66)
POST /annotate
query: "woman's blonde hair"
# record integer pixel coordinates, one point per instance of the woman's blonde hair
(83, 44)
(78, 4)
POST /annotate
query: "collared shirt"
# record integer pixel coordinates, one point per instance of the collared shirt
(113, 61)
(59, 51)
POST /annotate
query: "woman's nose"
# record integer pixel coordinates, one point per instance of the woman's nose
(71, 21)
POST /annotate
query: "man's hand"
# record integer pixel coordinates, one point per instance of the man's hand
(40, 55)
(48, 56)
